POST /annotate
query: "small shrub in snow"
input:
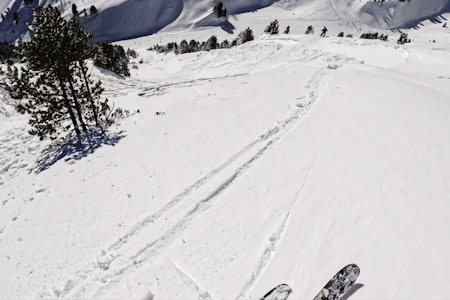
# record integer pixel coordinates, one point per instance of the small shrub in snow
(341, 34)
(287, 30)
(132, 53)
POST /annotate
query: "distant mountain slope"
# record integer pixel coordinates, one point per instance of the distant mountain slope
(125, 19)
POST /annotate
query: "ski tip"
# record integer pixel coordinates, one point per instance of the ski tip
(280, 292)
(353, 270)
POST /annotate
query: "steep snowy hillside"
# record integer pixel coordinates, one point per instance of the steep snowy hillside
(125, 19)
(277, 161)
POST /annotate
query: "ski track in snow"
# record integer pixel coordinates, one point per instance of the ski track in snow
(160, 89)
(202, 293)
(276, 237)
(115, 261)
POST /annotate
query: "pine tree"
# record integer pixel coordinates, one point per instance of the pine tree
(54, 88)
(74, 9)
(93, 10)
(272, 28)
(16, 18)
(245, 36)
(212, 43)
(193, 46)
(184, 47)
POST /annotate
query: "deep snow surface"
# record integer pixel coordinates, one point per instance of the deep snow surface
(278, 161)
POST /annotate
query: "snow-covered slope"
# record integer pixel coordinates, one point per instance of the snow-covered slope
(280, 160)
(394, 14)
(126, 19)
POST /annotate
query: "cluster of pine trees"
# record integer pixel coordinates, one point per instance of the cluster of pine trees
(374, 36)
(113, 58)
(210, 44)
(273, 28)
(403, 39)
(54, 87)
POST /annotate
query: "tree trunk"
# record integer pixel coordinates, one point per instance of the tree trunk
(69, 108)
(88, 90)
(77, 104)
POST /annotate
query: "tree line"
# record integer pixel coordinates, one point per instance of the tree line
(212, 43)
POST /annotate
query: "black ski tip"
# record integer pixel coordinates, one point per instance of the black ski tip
(340, 284)
(280, 292)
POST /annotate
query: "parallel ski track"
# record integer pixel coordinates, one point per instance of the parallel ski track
(95, 280)
(265, 142)
(276, 237)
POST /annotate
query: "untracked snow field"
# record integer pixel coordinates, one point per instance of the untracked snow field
(278, 161)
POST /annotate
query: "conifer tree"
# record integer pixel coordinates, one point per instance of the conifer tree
(272, 28)
(55, 88)
(93, 10)
(245, 36)
(212, 43)
(113, 58)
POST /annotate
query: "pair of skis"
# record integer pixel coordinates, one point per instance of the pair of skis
(337, 287)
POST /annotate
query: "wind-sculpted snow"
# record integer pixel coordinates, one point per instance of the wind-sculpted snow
(394, 14)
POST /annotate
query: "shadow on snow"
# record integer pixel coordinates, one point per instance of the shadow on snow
(74, 148)
(352, 290)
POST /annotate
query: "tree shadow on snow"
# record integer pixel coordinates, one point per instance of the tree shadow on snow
(228, 27)
(352, 290)
(9, 30)
(74, 148)
(437, 18)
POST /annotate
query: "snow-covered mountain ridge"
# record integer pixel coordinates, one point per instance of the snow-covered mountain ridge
(124, 19)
